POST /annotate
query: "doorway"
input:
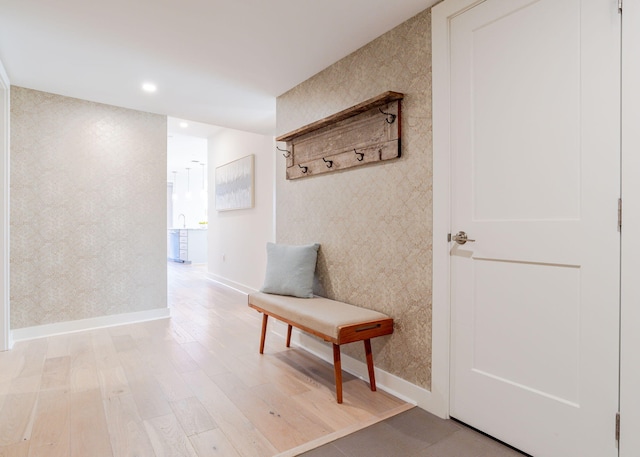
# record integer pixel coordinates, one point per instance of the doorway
(187, 195)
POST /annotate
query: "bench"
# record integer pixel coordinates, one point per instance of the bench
(333, 321)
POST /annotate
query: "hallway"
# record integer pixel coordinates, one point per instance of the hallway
(193, 385)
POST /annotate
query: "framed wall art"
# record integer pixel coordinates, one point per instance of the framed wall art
(234, 184)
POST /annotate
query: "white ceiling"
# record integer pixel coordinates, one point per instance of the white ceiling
(185, 151)
(219, 62)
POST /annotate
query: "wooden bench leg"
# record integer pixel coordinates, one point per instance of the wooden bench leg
(265, 318)
(337, 367)
(368, 353)
(289, 327)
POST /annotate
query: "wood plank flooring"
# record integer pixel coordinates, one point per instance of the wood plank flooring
(193, 385)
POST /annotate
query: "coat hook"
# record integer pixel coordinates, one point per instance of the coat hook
(304, 169)
(391, 118)
(360, 155)
(288, 153)
(328, 162)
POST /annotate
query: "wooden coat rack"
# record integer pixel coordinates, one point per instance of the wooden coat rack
(365, 133)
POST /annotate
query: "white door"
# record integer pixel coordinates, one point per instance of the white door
(535, 181)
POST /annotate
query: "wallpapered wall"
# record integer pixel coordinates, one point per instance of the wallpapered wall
(374, 222)
(88, 209)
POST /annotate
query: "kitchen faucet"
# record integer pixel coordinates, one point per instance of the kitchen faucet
(184, 220)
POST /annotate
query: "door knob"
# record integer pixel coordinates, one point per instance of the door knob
(461, 238)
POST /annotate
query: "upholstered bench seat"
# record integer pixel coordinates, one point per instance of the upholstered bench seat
(331, 320)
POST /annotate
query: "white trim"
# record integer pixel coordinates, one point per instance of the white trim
(231, 284)
(60, 328)
(441, 16)
(630, 286)
(5, 115)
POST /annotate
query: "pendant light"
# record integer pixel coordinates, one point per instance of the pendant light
(188, 194)
(174, 193)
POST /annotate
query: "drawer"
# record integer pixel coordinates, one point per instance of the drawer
(183, 255)
(184, 233)
(184, 245)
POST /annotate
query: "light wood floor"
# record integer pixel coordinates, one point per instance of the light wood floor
(192, 385)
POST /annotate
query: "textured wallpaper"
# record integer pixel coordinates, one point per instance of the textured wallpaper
(88, 209)
(373, 222)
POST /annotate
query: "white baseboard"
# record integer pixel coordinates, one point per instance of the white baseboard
(59, 328)
(231, 284)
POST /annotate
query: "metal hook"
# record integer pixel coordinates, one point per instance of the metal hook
(360, 155)
(328, 162)
(304, 169)
(389, 116)
(288, 153)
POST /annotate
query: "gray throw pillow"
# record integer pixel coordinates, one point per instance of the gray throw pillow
(290, 269)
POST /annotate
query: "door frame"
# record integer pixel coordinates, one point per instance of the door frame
(442, 14)
(630, 249)
(5, 88)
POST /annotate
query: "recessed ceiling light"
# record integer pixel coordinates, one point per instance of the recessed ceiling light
(184, 125)
(149, 87)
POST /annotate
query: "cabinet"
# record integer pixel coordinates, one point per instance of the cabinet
(183, 239)
(187, 245)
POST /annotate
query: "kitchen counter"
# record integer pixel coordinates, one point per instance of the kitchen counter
(187, 228)
(187, 245)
